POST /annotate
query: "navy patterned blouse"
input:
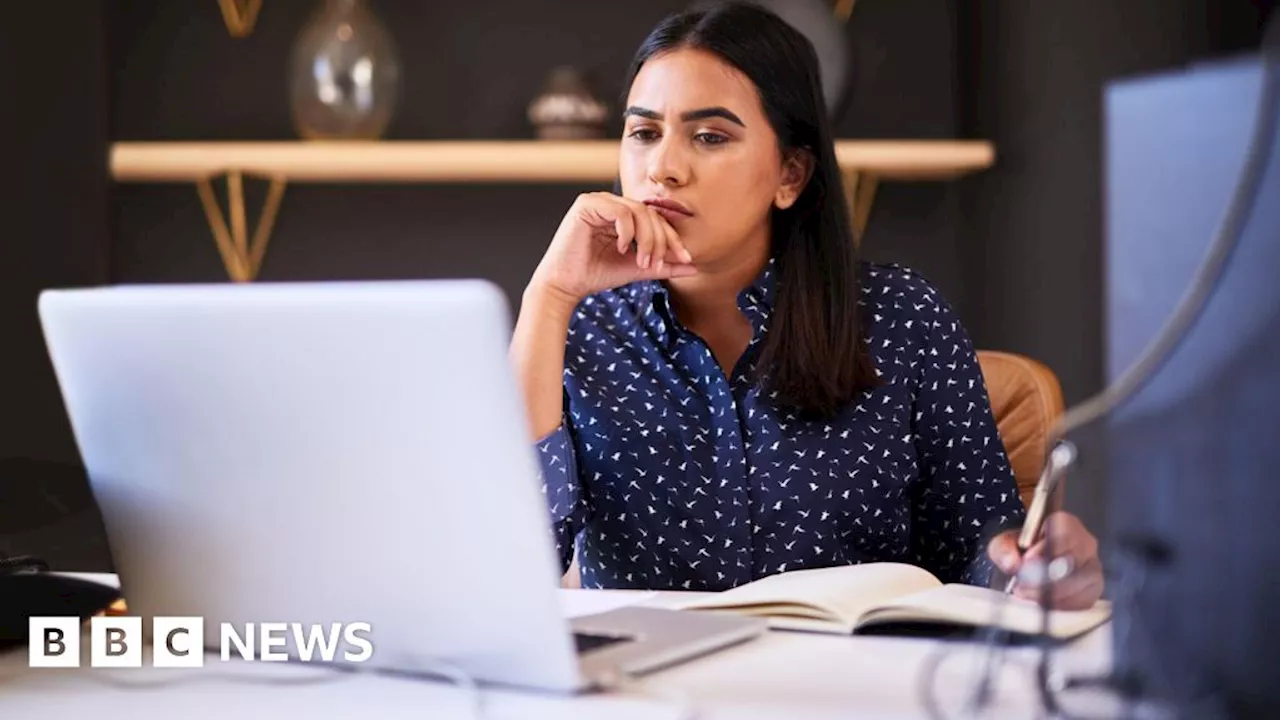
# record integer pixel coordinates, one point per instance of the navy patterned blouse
(670, 475)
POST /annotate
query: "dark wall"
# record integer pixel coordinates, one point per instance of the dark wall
(55, 215)
(153, 70)
(1017, 249)
(470, 70)
(904, 86)
(1032, 80)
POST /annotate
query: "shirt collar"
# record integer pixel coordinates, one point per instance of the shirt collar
(761, 293)
(755, 301)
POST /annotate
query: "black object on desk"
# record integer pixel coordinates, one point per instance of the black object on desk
(27, 590)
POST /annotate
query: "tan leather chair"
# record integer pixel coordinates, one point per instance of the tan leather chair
(1026, 400)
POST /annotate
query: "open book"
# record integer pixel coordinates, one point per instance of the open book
(861, 598)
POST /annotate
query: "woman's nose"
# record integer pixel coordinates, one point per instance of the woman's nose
(667, 164)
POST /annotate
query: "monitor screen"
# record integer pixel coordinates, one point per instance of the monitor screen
(1192, 459)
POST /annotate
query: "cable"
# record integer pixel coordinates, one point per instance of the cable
(325, 674)
(991, 640)
(1130, 688)
(1205, 280)
(1192, 303)
(1170, 336)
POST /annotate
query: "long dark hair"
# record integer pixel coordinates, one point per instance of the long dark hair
(813, 355)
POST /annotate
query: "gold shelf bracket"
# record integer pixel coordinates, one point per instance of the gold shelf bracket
(241, 255)
(844, 9)
(240, 16)
(859, 194)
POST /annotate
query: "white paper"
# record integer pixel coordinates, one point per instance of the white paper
(578, 602)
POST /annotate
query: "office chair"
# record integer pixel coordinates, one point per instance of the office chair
(1026, 400)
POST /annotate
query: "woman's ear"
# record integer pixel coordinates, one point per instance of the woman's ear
(797, 168)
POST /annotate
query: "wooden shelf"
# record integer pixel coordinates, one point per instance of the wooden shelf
(486, 161)
(863, 164)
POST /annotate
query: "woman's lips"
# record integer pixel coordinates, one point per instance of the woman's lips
(672, 216)
(669, 209)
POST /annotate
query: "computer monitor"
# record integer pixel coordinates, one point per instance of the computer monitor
(1193, 457)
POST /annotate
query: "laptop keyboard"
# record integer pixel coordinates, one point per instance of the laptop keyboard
(586, 642)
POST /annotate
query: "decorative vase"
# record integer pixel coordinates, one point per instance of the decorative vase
(345, 75)
(566, 109)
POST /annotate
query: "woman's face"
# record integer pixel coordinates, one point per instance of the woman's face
(696, 136)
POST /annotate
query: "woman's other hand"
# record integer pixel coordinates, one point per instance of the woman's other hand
(1074, 572)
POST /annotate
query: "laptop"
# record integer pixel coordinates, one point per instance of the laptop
(338, 452)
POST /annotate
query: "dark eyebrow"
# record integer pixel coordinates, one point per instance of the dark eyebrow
(700, 114)
(711, 112)
(640, 112)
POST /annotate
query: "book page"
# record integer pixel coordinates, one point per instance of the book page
(977, 607)
(838, 594)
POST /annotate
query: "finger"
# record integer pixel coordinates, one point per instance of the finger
(659, 239)
(1003, 551)
(1081, 589)
(1037, 552)
(1038, 569)
(1026, 589)
(668, 271)
(1068, 536)
(644, 236)
(676, 251)
(625, 224)
(1040, 553)
(603, 213)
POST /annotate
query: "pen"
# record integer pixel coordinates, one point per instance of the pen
(1060, 458)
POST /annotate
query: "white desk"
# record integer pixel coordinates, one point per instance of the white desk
(782, 675)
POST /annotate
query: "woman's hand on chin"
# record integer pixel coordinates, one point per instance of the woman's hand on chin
(606, 241)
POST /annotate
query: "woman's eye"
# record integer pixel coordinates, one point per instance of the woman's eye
(709, 138)
(644, 134)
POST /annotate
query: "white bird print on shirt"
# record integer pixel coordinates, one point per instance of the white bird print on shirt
(926, 443)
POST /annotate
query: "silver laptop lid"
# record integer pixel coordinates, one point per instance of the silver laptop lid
(318, 453)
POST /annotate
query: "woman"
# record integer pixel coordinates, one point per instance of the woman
(721, 390)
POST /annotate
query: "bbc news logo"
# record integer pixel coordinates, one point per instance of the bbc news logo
(178, 642)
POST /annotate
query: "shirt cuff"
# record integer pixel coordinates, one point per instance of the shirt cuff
(559, 478)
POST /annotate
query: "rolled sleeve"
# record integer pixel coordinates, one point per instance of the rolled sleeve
(563, 490)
